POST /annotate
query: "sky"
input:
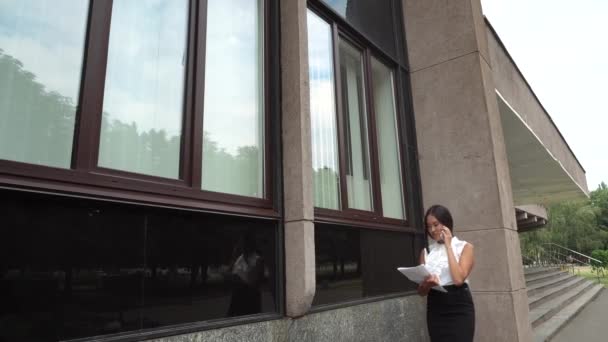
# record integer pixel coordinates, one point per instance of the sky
(561, 47)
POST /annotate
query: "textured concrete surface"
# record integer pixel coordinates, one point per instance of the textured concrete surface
(394, 320)
(295, 107)
(590, 325)
(297, 160)
(441, 30)
(496, 256)
(300, 275)
(462, 154)
(534, 209)
(456, 157)
(508, 320)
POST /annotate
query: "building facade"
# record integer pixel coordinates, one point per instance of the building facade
(231, 170)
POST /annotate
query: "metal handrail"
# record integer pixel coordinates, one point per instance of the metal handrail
(575, 252)
(553, 254)
(572, 258)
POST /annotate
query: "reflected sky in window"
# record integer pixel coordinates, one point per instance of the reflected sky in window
(29, 29)
(54, 30)
(322, 95)
(234, 83)
(146, 64)
(41, 50)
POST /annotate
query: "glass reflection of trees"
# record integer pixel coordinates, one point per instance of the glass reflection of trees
(26, 106)
(354, 263)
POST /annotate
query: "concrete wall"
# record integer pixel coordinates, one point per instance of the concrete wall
(463, 162)
(297, 160)
(513, 87)
(394, 320)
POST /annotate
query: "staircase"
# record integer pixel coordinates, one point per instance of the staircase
(556, 296)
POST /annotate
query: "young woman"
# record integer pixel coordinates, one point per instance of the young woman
(450, 315)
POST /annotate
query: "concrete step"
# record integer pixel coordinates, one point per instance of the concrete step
(542, 277)
(530, 271)
(533, 290)
(545, 311)
(552, 292)
(546, 330)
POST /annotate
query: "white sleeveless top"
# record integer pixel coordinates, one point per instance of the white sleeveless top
(437, 259)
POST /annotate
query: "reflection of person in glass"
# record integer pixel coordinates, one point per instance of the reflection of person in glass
(450, 315)
(247, 274)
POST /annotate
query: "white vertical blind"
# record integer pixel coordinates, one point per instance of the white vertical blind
(323, 114)
(354, 103)
(391, 184)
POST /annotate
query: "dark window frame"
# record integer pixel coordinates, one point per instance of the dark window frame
(374, 219)
(84, 175)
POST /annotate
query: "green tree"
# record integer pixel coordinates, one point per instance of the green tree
(579, 225)
(599, 198)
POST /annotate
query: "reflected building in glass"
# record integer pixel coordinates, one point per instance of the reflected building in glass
(256, 170)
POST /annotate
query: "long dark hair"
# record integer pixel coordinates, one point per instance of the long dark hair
(442, 214)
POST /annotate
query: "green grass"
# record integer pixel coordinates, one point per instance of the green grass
(588, 273)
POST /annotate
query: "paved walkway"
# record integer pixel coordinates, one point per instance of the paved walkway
(590, 325)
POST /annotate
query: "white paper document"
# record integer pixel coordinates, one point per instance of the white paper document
(417, 275)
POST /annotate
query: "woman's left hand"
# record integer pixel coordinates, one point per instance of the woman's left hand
(447, 235)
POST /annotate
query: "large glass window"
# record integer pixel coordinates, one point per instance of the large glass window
(74, 268)
(356, 149)
(162, 97)
(144, 89)
(391, 185)
(323, 114)
(233, 128)
(41, 57)
(158, 103)
(362, 239)
(363, 149)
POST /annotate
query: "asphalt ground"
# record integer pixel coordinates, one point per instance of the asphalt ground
(590, 325)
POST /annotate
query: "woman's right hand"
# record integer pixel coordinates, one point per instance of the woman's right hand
(425, 286)
(431, 281)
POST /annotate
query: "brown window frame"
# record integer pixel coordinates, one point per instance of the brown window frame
(84, 175)
(374, 219)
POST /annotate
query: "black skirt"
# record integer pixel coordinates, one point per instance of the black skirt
(451, 316)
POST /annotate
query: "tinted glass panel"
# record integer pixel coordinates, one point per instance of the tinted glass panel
(68, 268)
(374, 18)
(73, 268)
(144, 90)
(323, 114)
(233, 127)
(41, 53)
(357, 263)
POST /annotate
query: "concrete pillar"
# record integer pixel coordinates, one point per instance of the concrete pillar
(297, 160)
(463, 163)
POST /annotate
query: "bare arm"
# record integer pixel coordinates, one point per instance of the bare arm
(460, 270)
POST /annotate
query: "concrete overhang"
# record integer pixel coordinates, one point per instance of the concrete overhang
(537, 175)
(543, 168)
